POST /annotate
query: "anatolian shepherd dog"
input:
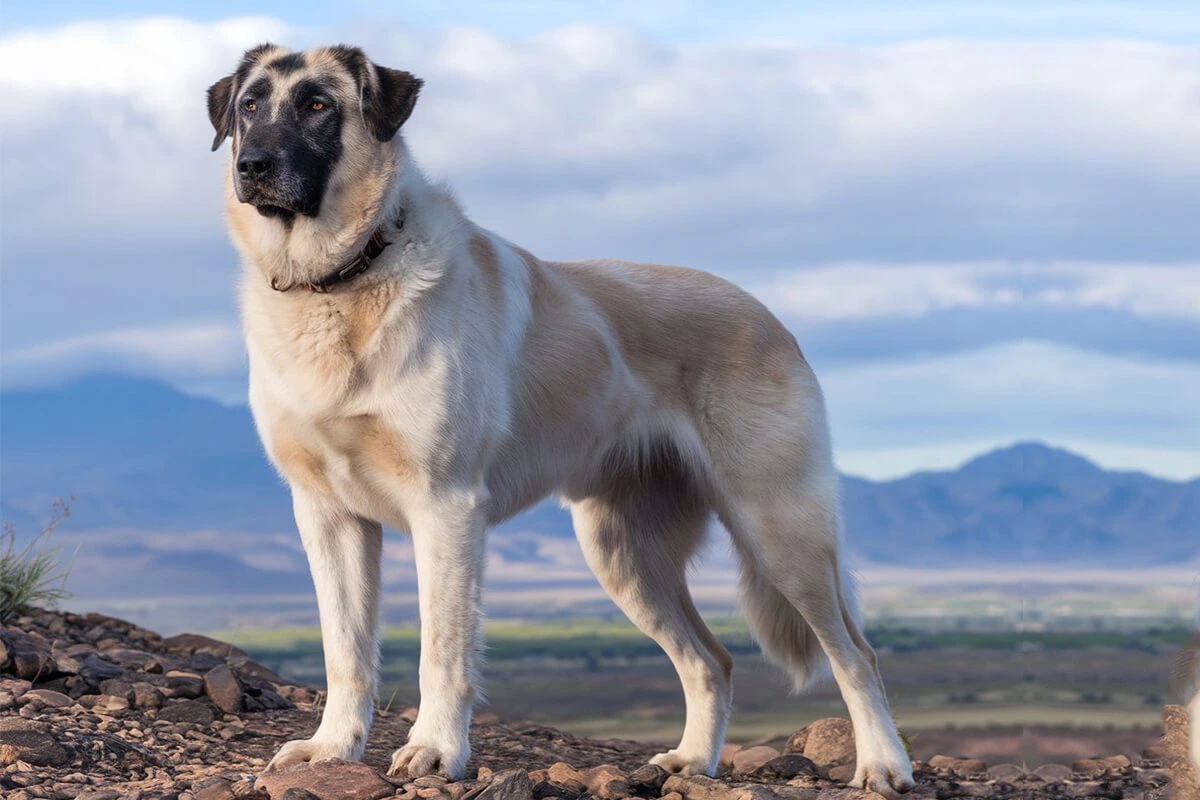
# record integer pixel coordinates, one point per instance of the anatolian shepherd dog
(1185, 687)
(409, 368)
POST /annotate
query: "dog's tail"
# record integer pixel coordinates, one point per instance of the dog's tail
(785, 638)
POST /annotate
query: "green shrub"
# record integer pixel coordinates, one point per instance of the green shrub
(36, 573)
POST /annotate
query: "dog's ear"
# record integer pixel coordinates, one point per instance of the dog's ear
(220, 108)
(388, 95)
(389, 102)
(221, 93)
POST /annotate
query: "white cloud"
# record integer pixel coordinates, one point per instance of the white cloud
(941, 410)
(853, 291)
(182, 353)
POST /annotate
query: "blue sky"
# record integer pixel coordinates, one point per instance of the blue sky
(978, 218)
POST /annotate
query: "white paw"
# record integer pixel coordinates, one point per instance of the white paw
(889, 780)
(308, 750)
(678, 763)
(415, 760)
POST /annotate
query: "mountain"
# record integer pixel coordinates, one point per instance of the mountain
(173, 494)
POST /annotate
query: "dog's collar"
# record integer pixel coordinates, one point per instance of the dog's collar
(355, 266)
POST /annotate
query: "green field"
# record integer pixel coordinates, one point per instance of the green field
(607, 679)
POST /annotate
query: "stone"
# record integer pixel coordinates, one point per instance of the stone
(203, 661)
(1006, 772)
(959, 766)
(95, 670)
(110, 703)
(48, 697)
(327, 780)
(727, 754)
(188, 644)
(213, 789)
(117, 688)
(1053, 773)
(607, 782)
(648, 779)
(567, 777)
(183, 684)
(146, 695)
(1096, 766)
(828, 743)
(222, 687)
(296, 793)
(699, 787)
(28, 656)
(193, 711)
(784, 768)
(32, 741)
(9, 754)
(749, 759)
(509, 784)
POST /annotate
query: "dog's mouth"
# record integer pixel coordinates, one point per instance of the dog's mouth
(275, 211)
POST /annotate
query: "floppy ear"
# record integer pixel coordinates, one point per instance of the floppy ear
(220, 108)
(388, 100)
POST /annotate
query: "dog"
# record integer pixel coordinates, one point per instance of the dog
(409, 368)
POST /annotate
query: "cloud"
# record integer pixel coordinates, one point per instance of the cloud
(941, 409)
(864, 291)
(177, 353)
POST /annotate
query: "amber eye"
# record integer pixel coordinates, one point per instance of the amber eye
(317, 105)
(251, 106)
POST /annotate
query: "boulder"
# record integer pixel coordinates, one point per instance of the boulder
(222, 687)
(31, 742)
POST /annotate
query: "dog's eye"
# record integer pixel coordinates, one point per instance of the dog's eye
(317, 105)
(251, 106)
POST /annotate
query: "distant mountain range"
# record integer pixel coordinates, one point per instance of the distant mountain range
(174, 495)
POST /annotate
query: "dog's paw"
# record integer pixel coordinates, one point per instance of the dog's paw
(309, 750)
(889, 780)
(678, 763)
(415, 760)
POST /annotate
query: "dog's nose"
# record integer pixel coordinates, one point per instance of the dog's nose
(255, 163)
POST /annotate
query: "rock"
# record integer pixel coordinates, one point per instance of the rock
(1053, 773)
(213, 789)
(1006, 772)
(95, 670)
(784, 768)
(32, 742)
(749, 759)
(327, 780)
(193, 711)
(1096, 766)
(296, 793)
(727, 754)
(184, 684)
(204, 661)
(48, 697)
(9, 754)
(959, 766)
(510, 784)
(223, 689)
(607, 782)
(110, 703)
(648, 779)
(188, 644)
(567, 777)
(27, 656)
(146, 695)
(829, 743)
(699, 787)
(117, 688)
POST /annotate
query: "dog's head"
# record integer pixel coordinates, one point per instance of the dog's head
(292, 116)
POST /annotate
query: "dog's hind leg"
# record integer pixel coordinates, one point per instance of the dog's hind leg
(343, 554)
(639, 547)
(789, 548)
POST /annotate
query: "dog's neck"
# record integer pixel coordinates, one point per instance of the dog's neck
(303, 251)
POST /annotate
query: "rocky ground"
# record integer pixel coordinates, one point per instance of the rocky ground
(96, 708)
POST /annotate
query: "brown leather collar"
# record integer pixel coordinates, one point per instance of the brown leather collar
(357, 265)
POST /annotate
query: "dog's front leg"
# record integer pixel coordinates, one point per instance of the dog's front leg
(343, 555)
(448, 539)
